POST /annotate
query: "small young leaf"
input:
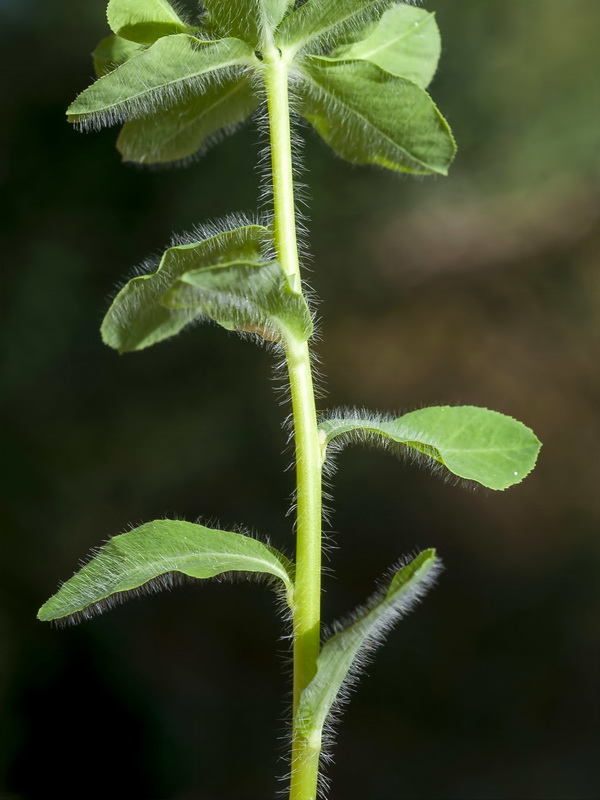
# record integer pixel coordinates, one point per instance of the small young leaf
(189, 127)
(342, 654)
(250, 20)
(405, 42)
(474, 443)
(369, 116)
(112, 52)
(159, 549)
(320, 18)
(137, 318)
(173, 69)
(144, 21)
(247, 297)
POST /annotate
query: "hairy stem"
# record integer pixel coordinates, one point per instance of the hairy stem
(307, 590)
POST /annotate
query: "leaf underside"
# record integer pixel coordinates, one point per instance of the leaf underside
(473, 443)
(342, 654)
(157, 549)
(226, 277)
(112, 52)
(246, 19)
(144, 21)
(173, 69)
(246, 297)
(368, 116)
(405, 42)
(188, 127)
(324, 19)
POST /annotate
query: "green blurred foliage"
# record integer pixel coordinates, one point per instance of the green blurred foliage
(481, 288)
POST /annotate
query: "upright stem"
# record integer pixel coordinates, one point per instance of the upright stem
(307, 590)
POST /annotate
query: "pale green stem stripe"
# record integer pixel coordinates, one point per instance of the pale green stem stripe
(307, 590)
(284, 223)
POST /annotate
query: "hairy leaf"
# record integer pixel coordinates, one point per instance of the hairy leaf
(250, 20)
(405, 42)
(321, 18)
(144, 21)
(137, 317)
(190, 126)
(371, 117)
(343, 654)
(250, 297)
(173, 69)
(112, 52)
(156, 550)
(474, 443)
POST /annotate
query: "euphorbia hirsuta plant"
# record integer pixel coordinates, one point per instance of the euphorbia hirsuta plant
(358, 72)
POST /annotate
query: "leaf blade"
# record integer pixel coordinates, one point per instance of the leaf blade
(172, 69)
(137, 319)
(245, 297)
(404, 42)
(133, 559)
(112, 52)
(473, 443)
(317, 19)
(250, 20)
(368, 116)
(190, 126)
(144, 21)
(341, 652)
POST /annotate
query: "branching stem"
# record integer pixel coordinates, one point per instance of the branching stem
(307, 590)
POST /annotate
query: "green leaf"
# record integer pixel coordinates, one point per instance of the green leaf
(144, 21)
(321, 18)
(342, 654)
(156, 550)
(190, 126)
(112, 52)
(371, 117)
(250, 20)
(405, 42)
(137, 317)
(172, 70)
(224, 277)
(479, 445)
(247, 297)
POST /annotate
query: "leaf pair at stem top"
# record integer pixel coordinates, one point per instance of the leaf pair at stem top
(358, 70)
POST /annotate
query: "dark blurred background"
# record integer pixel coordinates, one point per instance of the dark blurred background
(481, 288)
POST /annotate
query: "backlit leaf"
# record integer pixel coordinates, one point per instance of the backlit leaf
(190, 126)
(112, 52)
(172, 70)
(474, 443)
(144, 21)
(324, 18)
(369, 116)
(405, 42)
(137, 317)
(346, 651)
(148, 557)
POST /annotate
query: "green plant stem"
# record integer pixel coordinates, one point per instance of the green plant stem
(307, 589)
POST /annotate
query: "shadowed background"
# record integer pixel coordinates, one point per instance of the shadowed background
(482, 288)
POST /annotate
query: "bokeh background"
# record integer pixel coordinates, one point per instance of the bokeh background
(482, 288)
